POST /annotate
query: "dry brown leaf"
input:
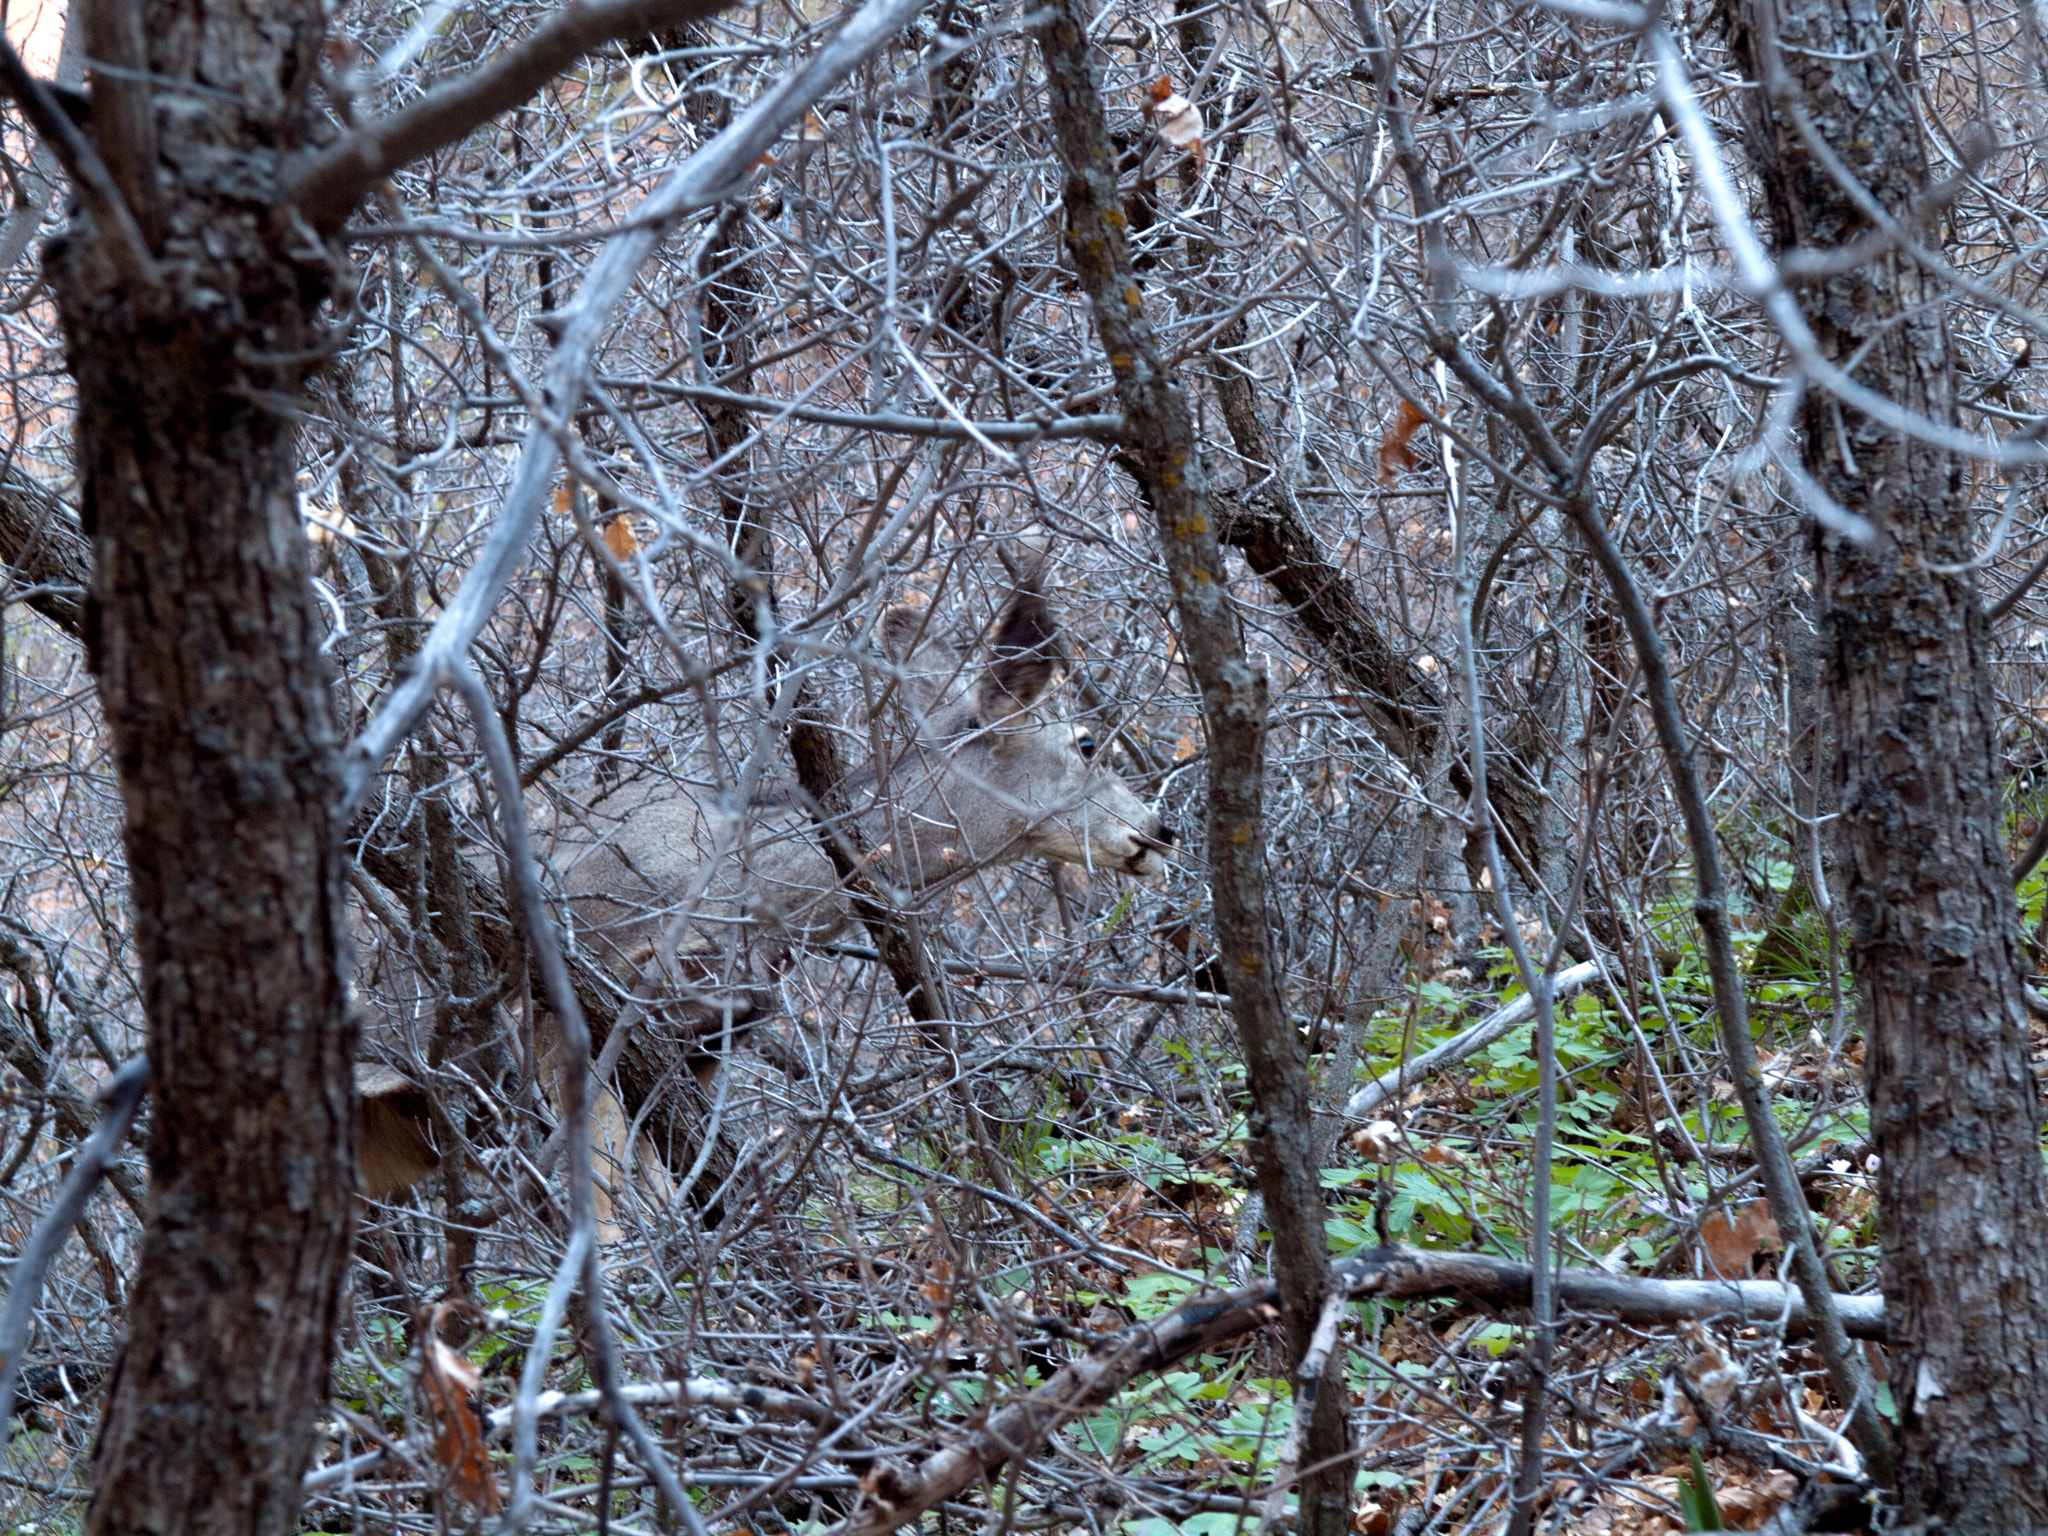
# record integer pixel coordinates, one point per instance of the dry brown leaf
(1714, 1377)
(1745, 1506)
(1396, 454)
(620, 539)
(1379, 1142)
(449, 1381)
(1732, 1241)
(1177, 120)
(938, 1290)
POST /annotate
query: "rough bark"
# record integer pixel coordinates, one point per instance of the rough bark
(1954, 1111)
(188, 301)
(1168, 455)
(204, 635)
(45, 551)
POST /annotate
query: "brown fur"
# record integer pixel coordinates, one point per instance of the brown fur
(697, 908)
(660, 881)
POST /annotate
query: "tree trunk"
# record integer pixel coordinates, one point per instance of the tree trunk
(204, 636)
(1954, 1112)
(1281, 1130)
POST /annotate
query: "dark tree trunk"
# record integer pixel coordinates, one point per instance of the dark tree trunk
(205, 639)
(1954, 1112)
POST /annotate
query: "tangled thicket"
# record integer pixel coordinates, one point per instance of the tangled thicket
(867, 377)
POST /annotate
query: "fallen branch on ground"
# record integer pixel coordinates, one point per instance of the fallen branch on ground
(1391, 1085)
(900, 1492)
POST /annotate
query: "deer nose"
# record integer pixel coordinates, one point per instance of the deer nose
(1165, 831)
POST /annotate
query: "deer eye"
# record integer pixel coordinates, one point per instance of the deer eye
(1086, 742)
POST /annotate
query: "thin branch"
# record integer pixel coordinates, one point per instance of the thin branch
(1731, 1002)
(1168, 451)
(1710, 907)
(327, 185)
(121, 1095)
(1081, 982)
(1099, 428)
(1760, 278)
(2035, 850)
(2021, 588)
(1540, 991)
(545, 944)
(45, 549)
(700, 180)
(537, 767)
(81, 162)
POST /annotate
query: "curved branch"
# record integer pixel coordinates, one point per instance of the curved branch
(121, 1095)
(327, 184)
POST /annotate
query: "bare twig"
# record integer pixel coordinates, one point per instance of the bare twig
(121, 1095)
(81, 162)
(327, 184)
(703, 178)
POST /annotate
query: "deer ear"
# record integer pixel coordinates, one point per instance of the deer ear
(902, 630)
(1023, 660)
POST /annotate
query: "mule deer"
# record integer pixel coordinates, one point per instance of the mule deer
(696, 912)
(985, 776)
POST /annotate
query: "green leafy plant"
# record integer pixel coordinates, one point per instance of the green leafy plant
(1696, 1498)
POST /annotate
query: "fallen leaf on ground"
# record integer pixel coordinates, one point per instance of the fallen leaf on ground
(1732, 1240)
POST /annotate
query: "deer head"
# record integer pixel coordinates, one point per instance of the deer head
(990, 775)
